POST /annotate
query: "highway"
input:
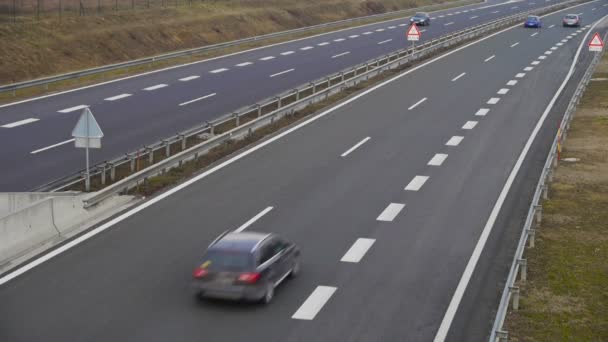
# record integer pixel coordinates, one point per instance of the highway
(420, 178)
(142, 110)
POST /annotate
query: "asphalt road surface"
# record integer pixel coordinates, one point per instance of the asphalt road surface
(143, 110)
(418, 177)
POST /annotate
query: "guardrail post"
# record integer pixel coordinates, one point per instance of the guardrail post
(531, 235)
(515, 294)
(237, 119)
(103, 174)
(328, 82)
(538, 210)
(278, 102)
(259, 108)
(550, 175)
(378, 62)
(341, 76)
(112, 172)
(297, 91)
(314, 87)
(502, 336)
(167, 148)
(545, 191)
(523, 269)
(132, 160)
(211, 128)
(183, 139)
(150, 155)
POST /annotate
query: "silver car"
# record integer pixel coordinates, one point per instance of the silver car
(245, 266)
(572, 20)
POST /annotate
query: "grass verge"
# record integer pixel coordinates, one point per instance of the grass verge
(46, 47)
(566, 296)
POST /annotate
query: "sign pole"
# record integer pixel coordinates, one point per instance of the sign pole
(88, 179)
(87, 134)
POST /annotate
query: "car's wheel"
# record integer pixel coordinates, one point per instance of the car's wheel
(268, 295)
(295, 270)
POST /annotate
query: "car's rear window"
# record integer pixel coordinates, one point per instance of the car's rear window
(571, 17)
(229, 261)
(532, 18)
(420, 15)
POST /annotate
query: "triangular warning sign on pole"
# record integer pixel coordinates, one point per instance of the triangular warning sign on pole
(413, 33)
(596, 43)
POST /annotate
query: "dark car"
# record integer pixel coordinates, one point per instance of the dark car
(421, 19)
(533, 21)
(572, 20)
(245, 266)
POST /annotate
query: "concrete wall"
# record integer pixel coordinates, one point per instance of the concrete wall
(11, 202)
(26, 229)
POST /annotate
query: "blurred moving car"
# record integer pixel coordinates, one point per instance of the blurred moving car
(572, 20)
(245, 266)
(421, 19)
(533, 21)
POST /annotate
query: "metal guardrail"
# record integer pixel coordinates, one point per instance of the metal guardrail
(318, 90)
(533, 220)
(77, 74)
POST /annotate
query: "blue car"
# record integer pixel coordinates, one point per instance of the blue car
(533, 21)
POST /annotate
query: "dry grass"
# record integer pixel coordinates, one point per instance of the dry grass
(33, 49)
(566, 297)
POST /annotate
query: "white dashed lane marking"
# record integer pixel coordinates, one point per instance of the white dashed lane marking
(520, 75)
(416, 183)
(323, 44)
(528, 68)
(306, 48)
(417, 103)
(314, 303)
(357, 145)
(358, 250)
(459, 76)
(368, 32)
(448, 24)
(512, 82)
(482, 112)
(217, 71)
(52, 146)
(72, 109)
(253, 219)
(117, 97)
(282, 72)
(533, 34)
(454, 141)
(286, 53)
(474, 17)
(535, 62)
(493, 100)
(469, 125)
(542, 57)
(19, 123)
(340, 54)
(385, 41)
(267, 58)
(189, 78)
(489, 58)
(155, 87)
(552, 26)
(503, 91)
(390, 212)
(339, 40)
(197, 99)
(437, 159)
(514, 44)
(380, 30)
(353, 36)
(244, 64)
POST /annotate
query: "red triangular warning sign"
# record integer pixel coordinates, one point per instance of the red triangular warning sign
(413, 30)
(596, 40)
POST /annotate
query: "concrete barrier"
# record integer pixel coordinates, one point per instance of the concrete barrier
(26, 229)
(43, 223)
(11, 202)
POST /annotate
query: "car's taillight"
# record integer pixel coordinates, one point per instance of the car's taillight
(249, 278)
(199, 272)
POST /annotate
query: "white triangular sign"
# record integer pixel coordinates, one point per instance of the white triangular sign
(413, 33)
(87, 132)
(596, 43)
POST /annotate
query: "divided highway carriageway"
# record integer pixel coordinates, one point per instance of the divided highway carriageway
(142, 110)
(422, 180)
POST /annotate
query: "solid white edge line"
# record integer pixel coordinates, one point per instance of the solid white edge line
(19, 123)
(253, 219)
(91, 233)
(468, 271)
(357, 251)
(390, 212)
(52, 146)
(416, 183)
(314, 303)
(355, 147)
(282, 72)
(417, 103)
